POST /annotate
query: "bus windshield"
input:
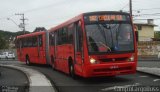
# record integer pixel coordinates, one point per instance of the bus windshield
(109, 37)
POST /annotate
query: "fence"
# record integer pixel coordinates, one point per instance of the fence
(149, 48)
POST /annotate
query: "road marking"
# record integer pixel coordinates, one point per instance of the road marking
(37, 81)
(143, 76)
(155, 80)
(120, 87)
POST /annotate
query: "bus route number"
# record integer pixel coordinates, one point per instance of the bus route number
(105, 18)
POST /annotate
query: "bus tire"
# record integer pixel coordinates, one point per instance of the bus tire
(72, 71)
(53, 64)
(28, 60)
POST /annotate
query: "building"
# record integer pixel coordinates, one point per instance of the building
(145, 31)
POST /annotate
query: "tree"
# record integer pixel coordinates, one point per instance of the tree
(7, 37)
(38, 29)
(157, 34)
(21, 33)
(3, 43)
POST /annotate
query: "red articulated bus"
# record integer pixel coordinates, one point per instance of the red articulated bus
(89, 45)
(32, 48)
(94, 44)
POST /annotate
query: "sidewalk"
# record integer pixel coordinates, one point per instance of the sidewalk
(9, 83)
(34, 81)
(153, 71)
(151, 66)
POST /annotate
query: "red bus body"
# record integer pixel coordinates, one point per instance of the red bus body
(110, 64)
(33, 46)
(69, 44)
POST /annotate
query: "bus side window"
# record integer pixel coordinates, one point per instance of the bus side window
(34, 42)
(20, 43)
(70, 33)
(40, 40)
(51, 38)
(64, 35)
(79, 36)
(25, 42)
(28, 42)
(59, 38)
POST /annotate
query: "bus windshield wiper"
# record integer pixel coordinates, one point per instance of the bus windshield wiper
(113, 28)
(102, 32)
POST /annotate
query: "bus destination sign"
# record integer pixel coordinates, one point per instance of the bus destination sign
(111, 17)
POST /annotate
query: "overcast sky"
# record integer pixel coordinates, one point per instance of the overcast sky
(49, 13)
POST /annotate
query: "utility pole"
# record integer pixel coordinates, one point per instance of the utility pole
(22, 25)
(130, 7)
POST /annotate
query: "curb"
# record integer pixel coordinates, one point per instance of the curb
(151, 71)
(148, 59)
(37, 81)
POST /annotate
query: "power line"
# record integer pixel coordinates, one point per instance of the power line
(124, 6)
(44, 7)
(152, 14)
(147, 9)
(147, 19)
(36, 9)
(13, 22)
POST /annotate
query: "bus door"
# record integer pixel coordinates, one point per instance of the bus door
(40, 49)
(58, 50)
(78, 46)
(19, 48)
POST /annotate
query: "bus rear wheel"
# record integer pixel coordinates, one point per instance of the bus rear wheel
(52, 63)
(72, 71)
(28, 60)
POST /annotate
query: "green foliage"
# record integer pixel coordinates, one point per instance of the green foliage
(3, 43)
(38, 29)
(157, 34)
(7, 37)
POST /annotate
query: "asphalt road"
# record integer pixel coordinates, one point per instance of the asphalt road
(65, 83)
(12, 80)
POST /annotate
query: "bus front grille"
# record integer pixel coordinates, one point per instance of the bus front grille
(112, 69)
(114, 59)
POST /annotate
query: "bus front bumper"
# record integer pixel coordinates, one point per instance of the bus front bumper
(112, 69)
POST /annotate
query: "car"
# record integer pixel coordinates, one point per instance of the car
(7, 55)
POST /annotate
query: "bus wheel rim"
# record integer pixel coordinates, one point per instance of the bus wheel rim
(71, 68)
(27, 61)
(53, 66)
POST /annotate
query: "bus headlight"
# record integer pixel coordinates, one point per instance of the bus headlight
(131, 58)
(92, 61)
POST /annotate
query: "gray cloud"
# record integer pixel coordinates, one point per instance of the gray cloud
(49, 13)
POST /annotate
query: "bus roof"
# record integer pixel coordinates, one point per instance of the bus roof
(76, 18)
(105, 12)
(31, 34)
(80, 16)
